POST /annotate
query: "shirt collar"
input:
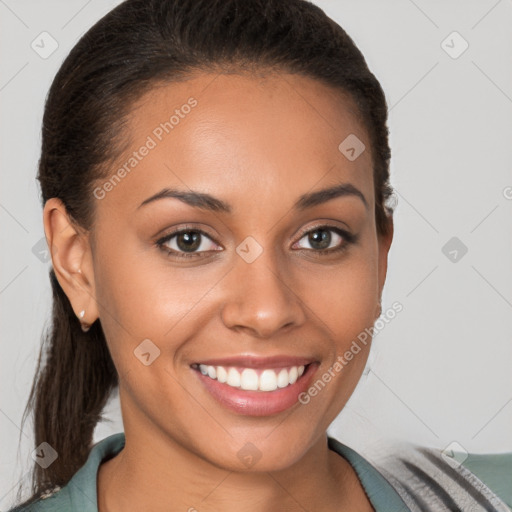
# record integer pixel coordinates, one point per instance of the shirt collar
(83, 492)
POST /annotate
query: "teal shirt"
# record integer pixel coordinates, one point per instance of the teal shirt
(80, 493)
(499, 479)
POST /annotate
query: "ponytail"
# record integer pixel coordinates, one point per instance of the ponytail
(74, 378)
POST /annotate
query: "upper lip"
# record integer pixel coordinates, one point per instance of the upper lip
(279, 361)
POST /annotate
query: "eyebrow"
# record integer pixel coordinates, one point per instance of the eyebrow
(210, 203)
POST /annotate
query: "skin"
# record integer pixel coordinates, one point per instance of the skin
(257, 143)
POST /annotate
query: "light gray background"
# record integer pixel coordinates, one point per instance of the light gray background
(440, 371)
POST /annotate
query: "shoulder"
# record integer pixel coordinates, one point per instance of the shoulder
(432, 479)
(494, 470)
(55, 499)
(80, 493)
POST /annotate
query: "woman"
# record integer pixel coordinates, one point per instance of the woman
(215, 177)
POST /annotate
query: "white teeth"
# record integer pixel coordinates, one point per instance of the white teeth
(222, 374)
(233, 378)
(282, 379)
(212, 372)
(249, 380)
(268, 380)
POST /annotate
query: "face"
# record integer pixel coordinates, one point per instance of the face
(241, 266)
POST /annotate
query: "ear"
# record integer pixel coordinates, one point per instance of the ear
(72, 259)
(384, 244)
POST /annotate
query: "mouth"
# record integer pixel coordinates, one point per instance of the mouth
(253, 379)
(256, 387)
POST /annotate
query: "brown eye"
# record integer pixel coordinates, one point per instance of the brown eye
(326, 240)
(320, 239)
(187, 243)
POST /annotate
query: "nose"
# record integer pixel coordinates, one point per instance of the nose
(261, 298)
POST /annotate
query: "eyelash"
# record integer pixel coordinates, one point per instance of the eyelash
(349, 239)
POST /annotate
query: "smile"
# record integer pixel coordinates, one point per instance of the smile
(260, 386)
(251, 379)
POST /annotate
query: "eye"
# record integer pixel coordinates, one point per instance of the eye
(193, 243)
(327, 239)
(187, 243)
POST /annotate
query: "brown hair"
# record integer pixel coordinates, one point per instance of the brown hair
(136, 45)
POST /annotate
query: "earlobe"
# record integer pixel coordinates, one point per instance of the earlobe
(72, 260)
(379, 309)
(385, 241)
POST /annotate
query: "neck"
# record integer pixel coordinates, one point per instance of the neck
(159, 475)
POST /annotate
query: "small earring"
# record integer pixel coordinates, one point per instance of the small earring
(85, 327)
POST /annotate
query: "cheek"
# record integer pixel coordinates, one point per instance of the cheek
(129, 282)
(345, 297)
(141, 297)
(144, 311)
(345, 300)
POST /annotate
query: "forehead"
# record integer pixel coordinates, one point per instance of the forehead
(230, 134)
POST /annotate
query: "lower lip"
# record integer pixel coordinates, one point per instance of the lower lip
(258, 403)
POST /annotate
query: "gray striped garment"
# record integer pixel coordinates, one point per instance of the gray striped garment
(429, 482)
